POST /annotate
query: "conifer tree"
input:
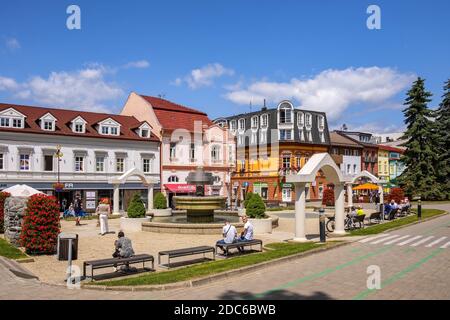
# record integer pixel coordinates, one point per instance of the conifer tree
(443, 142)
(420, 157)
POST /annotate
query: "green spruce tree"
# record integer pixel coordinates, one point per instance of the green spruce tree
(420, 156)
(443, 142)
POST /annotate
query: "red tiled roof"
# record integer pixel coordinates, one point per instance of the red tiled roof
(64, 118)
(389, 148)
(174, 116)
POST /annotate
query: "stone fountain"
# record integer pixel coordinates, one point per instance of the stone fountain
(199, 208)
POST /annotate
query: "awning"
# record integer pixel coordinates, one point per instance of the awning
(366, 186)
(180, 188)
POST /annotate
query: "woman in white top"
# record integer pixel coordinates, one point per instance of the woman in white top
(103, 211)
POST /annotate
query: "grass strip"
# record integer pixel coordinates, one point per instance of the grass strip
(426, 213)
(279, 250)
(9, 251)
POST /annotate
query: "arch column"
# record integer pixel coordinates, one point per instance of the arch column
(350, 194)
(150, 198)
(380, 190)
(339, 204)
(300, 211)
(116, 209)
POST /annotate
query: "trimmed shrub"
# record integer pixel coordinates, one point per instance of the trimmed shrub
(3, 196)
(40, 226)
(136, 208)
(397, 194)
(328, 197)
(255, 207)
(248, 196)
(159, 201)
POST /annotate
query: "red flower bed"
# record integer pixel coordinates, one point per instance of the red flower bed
(40, 226)
(3, 196)
(328, 197)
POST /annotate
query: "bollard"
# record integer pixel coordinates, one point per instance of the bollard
(322, 225)
(419, 209)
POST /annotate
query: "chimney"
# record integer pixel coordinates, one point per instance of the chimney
(264, 108)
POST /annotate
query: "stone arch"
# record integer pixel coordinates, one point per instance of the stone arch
(134, 172)
(372, 178)
(324, 162)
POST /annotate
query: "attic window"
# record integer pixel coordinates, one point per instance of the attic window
(49, 125)
(145, 133)
(79, 125)
(109, 127)
(11, 118)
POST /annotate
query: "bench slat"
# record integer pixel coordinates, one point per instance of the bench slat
(111, 261)
(186, 251)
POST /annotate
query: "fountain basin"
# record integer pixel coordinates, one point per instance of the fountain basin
(199, 209)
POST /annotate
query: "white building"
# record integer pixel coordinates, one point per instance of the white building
(346, 153)
(189, 140)
(96, 150)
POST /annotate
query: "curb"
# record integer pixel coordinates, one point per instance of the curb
(218, 276)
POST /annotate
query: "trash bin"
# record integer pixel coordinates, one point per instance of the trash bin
(63, 246)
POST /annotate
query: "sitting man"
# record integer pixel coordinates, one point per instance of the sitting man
(387, 208)
(247, 234)
(229, 234)
(360, 211)
(124, 249)
(353, 212)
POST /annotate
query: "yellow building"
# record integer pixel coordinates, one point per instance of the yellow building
(383, 165)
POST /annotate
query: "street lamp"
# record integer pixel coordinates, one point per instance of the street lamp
(58, 155)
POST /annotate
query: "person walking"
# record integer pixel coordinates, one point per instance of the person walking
(103, 211)
(77, 207)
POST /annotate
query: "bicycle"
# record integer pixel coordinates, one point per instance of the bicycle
(350, 223)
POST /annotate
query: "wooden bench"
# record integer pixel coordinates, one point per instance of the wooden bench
(227, 246)
(111, 262)
(375, 216)
(185, 252)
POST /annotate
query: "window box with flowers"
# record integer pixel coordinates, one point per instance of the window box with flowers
(58, 186)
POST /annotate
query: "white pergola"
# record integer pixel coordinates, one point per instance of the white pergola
(324, 162)
(147, 181)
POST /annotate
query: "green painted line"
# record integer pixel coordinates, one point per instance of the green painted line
(408, 250)
(398, 275)
(322, 273)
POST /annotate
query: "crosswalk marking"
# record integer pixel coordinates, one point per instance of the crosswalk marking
(395, 240)
(445, 245)
(409, 240)
(435, 242)
(373, 238)
(422, 241)
(384, 239)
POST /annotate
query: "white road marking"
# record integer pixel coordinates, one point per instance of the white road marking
(422, 241)
(384, 239)
(373, 238)
(436, 242)
(395, 240)
(409, 240)
(445, 245)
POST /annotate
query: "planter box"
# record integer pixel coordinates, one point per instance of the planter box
(160, 212)
(261, 225)
(132, 224)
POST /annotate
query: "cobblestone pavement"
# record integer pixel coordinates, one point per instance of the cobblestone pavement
(409, 270)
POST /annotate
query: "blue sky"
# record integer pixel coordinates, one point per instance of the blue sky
(218, 56)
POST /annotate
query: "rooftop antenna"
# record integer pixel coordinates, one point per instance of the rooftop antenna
(250, 105)
(264, 108)
(162, 95)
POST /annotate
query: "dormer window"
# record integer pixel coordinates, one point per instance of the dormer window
(10, 118)
(109, 127)
(300, 119)
(48, 122)
(241, 124)
(255, 122)
(264, 121)
(308, 120)
(321, 120)
(79, 125)
(144, 131)
(285, 113)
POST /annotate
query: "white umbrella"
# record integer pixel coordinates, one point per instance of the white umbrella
(21, 190)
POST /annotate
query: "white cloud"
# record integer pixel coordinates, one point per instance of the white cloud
(84, 89)
(377, 128)
(140, 64)
(12, 44)
(8, 84)
(331, 91)
(204, 76)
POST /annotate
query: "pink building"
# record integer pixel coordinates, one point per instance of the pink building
(188, 140)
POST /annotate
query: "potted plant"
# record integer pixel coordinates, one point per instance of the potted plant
(160, 206)
(136, 215)
(58, 186)
(256, 211)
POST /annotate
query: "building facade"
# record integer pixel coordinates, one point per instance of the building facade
(272, 143)
(395, 166)
(189, 139)
(383, 166)
(346, 153)
(94, 149)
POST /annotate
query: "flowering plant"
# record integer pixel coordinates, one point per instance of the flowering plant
(3, 196)
(58, 186)
(40, 226)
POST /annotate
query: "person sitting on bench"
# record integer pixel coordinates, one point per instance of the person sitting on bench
(247, 234)
(124, 248)
(229, 233)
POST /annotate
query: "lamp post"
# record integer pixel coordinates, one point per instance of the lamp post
(58, 155)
